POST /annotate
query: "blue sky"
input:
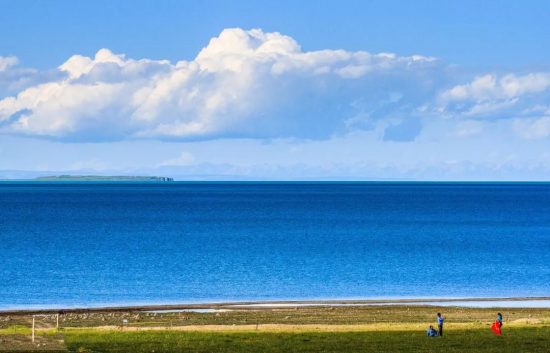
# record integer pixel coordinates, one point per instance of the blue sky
(422, 90)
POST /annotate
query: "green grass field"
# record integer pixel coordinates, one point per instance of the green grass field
(515, 340)
(305, 329)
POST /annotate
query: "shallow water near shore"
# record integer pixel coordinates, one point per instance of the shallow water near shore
(90, 244)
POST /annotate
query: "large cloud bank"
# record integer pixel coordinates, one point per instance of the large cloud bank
(261, 85)
(243, 83)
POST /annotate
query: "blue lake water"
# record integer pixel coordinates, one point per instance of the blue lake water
(74, 244)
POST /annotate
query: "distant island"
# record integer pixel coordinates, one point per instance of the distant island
(101, 178)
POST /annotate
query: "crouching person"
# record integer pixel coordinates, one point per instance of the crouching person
(431, 332)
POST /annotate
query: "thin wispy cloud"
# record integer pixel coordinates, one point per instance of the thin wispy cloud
(6, 62)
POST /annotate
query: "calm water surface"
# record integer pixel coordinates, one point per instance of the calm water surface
(72, 244)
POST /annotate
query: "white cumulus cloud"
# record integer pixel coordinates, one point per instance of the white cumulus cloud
(242, 84)
(490, 87)
(496, 96)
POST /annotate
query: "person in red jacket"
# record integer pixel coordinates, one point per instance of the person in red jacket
(497, 325)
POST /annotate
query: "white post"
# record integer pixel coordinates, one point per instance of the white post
(57, 321)
(33, 329)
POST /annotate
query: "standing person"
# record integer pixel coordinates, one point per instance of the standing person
(497, 325)
(440, 320)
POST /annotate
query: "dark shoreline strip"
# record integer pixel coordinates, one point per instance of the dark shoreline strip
(255, 305)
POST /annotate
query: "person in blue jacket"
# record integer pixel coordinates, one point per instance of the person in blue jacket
(440, 320)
